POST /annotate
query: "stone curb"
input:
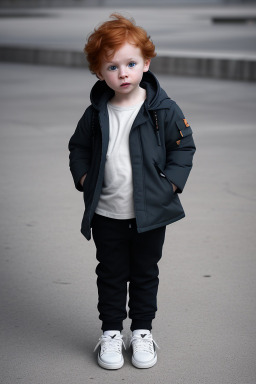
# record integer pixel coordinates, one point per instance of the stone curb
(219, 66)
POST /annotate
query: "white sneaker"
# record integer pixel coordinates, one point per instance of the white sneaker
(110, 351)
(144, 351)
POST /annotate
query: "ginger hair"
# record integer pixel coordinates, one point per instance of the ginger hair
(111, 35)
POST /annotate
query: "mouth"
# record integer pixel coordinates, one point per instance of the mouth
(125, 84)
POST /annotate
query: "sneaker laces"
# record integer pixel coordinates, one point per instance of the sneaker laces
(110, 344)
(145, 344)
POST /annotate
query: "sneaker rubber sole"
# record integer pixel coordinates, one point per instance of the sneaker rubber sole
(148, 364)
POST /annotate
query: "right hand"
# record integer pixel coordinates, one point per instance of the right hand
(82, 179)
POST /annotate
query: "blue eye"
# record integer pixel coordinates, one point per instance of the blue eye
(131, 64)
(112, 68)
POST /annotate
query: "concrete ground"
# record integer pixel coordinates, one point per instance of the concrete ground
(49, 323)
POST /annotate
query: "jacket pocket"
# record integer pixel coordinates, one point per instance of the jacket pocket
(184, 130)
(184, 127)
(87, 189)
(163, 176)
(85, 182)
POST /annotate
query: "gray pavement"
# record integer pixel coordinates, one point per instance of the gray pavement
(49, 323)
(188, 41)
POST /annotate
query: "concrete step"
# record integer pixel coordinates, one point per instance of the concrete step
(202, 64)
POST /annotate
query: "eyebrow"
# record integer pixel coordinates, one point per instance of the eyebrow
(113, 62)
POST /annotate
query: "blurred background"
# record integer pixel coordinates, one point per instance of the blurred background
(111, 3)
(205, 325)
(196, 38)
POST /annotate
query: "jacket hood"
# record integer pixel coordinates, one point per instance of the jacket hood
(156, 96)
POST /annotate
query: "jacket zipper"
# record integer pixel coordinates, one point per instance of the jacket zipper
(157, 129)
(143, 177)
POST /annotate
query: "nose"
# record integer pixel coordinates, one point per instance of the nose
(122, 72)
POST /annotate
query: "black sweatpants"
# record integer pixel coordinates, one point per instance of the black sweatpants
(124, 256)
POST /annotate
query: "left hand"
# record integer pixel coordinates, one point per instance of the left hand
(174, 187)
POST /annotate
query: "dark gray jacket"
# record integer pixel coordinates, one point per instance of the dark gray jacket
(161, 149)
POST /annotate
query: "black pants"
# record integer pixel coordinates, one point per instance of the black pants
(124, 256)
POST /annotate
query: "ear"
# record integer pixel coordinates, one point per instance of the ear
(99, 75)
(146, 65)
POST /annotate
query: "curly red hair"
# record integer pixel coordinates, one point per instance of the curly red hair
(111, 35)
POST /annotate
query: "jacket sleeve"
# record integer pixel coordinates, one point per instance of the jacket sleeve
(80, 147)
(180, 147)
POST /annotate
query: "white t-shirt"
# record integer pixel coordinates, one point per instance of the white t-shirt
(116, 199)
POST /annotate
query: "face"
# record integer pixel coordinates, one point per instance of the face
(124, 71)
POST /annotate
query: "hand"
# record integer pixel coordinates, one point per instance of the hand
(82, 179)
(174, 187)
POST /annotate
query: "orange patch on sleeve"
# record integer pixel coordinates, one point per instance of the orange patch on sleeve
(186, 123)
